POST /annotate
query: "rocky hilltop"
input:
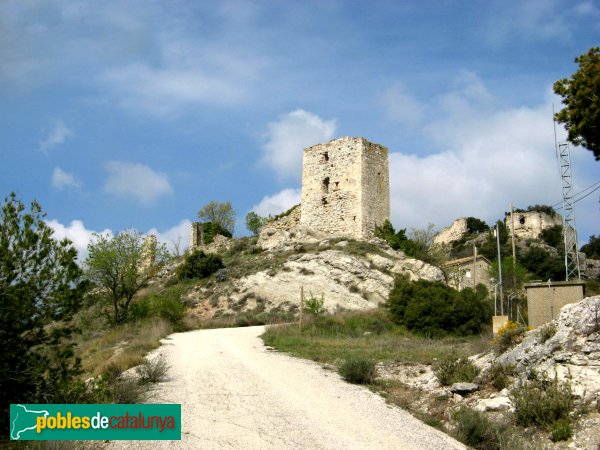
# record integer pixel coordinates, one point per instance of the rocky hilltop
(348, 274)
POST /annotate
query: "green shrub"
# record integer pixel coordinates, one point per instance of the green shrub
(454, 368)
(139, 309)
(474, 429)
(199, 265)
(561, 430)
(315, 305)
(475, 225)
(358, 370)
(547, 332)
(167, 305)
(542, 401)
(434, 309)
(152, 371)
(498, 375)
(592, 248)
(211, 229)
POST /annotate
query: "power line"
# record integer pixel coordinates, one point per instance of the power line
(580, 192)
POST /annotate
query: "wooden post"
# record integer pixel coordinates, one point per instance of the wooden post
(474, 265)
(301, 307)
(514, 251)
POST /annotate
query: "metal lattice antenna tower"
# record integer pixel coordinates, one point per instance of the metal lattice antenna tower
(563, 154)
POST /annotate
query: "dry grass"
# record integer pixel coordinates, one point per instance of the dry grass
(123, 346)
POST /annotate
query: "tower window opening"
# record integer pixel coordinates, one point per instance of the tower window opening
(325, 186)
(522, 220)
(325, 156)
(323, 201)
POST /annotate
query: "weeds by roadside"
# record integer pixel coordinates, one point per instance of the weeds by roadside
(358, 370)
(454, 368)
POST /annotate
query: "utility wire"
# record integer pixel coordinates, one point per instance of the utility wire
(580, 192)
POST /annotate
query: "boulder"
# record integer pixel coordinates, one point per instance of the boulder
(464, 388)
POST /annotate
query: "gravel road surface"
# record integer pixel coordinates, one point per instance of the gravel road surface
(237, 394)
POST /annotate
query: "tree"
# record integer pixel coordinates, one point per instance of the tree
(396, 240)
(221, 213)
(254, 222)
(40, 284)
(434, 309)
(513, 275)
(592, 248)
(581, 95)
(199, 265)
(122, 265)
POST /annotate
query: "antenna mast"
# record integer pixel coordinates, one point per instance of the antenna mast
(563, 156)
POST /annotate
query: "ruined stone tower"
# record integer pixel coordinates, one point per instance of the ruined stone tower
(345, 187)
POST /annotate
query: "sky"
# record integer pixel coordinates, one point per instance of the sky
(135, 114)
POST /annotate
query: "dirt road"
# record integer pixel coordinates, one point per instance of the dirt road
(236, 394)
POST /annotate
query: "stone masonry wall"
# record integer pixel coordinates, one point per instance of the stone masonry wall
(345, 187)
(529, 225)
(375, 187)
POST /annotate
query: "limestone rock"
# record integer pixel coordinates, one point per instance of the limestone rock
(571, 353)
(464, 388)
(452, 233)
(499, 403)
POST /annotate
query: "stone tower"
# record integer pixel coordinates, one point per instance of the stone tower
(345, 187)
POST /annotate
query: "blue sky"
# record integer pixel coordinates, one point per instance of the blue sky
(134, 114)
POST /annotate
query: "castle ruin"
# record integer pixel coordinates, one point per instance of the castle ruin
(345, 187)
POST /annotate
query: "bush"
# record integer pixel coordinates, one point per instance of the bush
(358, 370)
(547, 332)
(474, 429)
(561, 430)
(542, 401)
(167, 305)
(543, 264)
(475, 225)
(553, 236)
(434, 309)
(211, 229)
(152, 371)
(315, 305)
(199, 265)
(124, 391)
(498, 375)
(508, 336)
(592, 248)
(454, 369)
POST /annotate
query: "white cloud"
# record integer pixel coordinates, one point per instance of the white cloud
(137, 181)
(288, 136)
(176, 238)
(533, 19)
(144, 89)
(278, 203)
(61, 179)
(56, 136)
(77, 233)
(490, 159)
(401, 106)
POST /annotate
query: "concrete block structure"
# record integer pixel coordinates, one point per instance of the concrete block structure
(545, 299)
(345, 187)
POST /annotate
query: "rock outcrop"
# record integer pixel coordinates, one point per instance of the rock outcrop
(347, 278)
(452, 233)
(573, 351)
